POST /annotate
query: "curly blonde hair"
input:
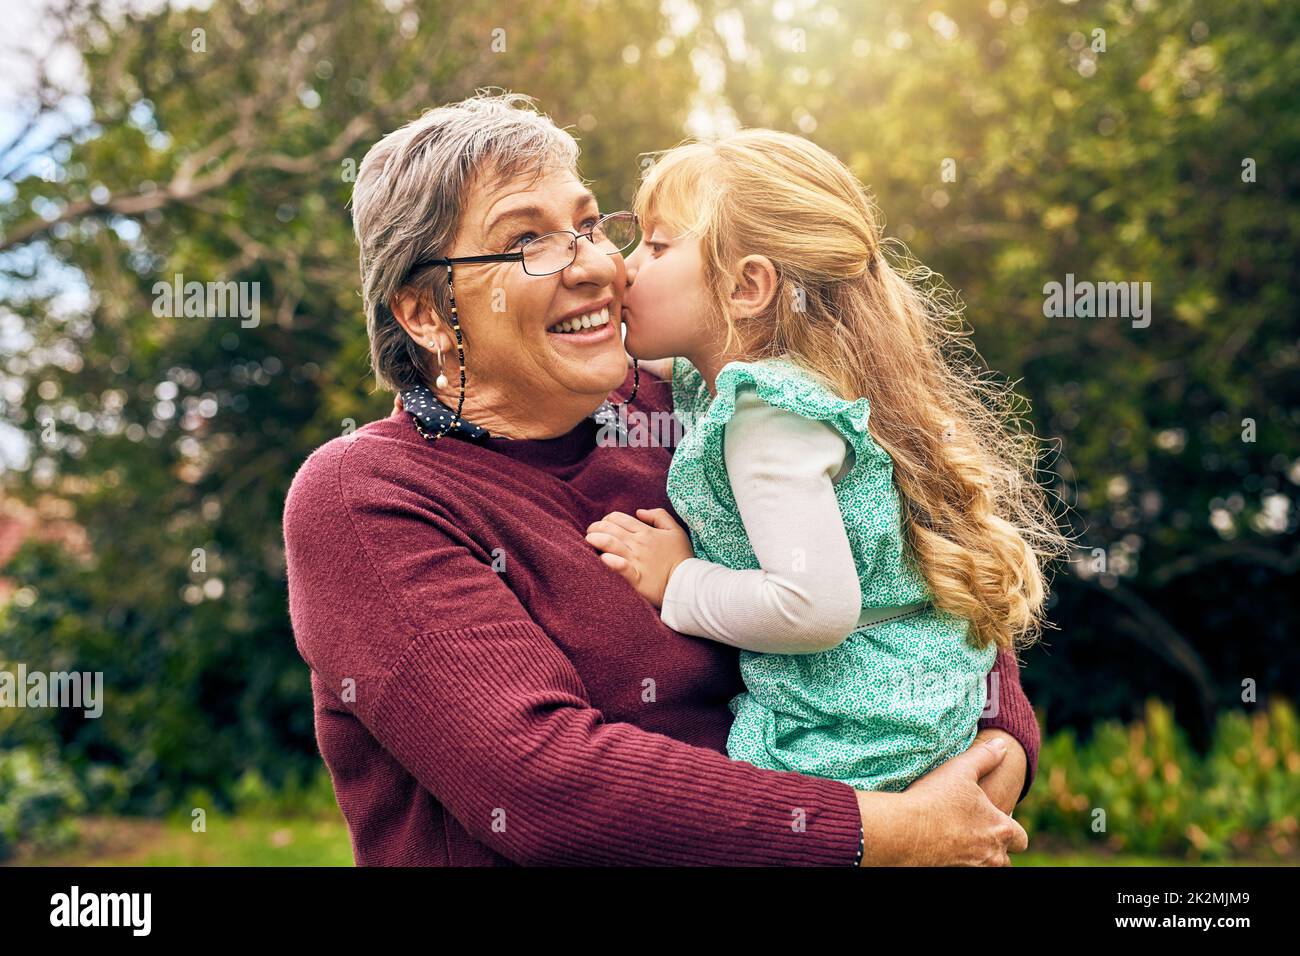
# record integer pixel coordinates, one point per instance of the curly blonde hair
(978, 524)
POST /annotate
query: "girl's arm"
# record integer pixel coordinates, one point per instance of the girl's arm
(805, 597)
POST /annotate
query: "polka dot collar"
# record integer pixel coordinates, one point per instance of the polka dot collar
(433, 416)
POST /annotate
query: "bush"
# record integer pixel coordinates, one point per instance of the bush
(310, 795)
(38, 798)
(1141, 789)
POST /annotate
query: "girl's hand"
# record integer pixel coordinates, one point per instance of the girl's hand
(644, 550)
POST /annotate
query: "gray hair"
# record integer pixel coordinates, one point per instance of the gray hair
(408, 200)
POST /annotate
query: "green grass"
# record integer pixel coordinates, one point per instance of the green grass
(255, 840)
(1109, 859)
(227, 841)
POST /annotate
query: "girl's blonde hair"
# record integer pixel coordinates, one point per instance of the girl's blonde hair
(978, 525)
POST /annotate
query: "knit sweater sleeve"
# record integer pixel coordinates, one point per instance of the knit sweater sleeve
(482, 707)
(495, 724)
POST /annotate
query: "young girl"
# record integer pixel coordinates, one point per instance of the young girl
(863, 513)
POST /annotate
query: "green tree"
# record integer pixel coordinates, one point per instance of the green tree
(1013, 142)
(221, 145)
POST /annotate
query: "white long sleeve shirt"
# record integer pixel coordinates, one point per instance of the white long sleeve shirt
(805, 597)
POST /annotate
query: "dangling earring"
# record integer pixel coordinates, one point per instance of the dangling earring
(441, 380)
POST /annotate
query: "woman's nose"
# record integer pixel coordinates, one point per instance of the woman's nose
(591, 264)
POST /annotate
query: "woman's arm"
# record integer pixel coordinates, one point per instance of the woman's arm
(1006, 783)
(529, 768)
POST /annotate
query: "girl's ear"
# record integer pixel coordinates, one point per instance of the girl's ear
(420, 322)
(755, 286)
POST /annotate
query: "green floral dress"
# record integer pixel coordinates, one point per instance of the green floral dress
(896, 698)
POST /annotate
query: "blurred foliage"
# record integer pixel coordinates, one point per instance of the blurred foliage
(233, 163)
(1142, 789)
(38, 799)
(177, 434)
(1122, 165)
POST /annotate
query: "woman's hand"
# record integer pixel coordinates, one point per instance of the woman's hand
(644, 550)
(1006, 781)
(943, 818)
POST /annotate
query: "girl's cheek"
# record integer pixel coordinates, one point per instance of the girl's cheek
(648, 280)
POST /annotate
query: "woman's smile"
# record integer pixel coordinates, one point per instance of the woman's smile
(591, 326)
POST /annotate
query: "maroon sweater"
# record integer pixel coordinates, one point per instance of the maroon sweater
(487, 691)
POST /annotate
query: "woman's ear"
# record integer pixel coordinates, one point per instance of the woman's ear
(419, 321)
(755, 286)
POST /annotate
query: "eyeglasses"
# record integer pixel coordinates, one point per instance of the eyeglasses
(555, 251)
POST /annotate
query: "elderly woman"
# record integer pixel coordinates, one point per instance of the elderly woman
(486, 690)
